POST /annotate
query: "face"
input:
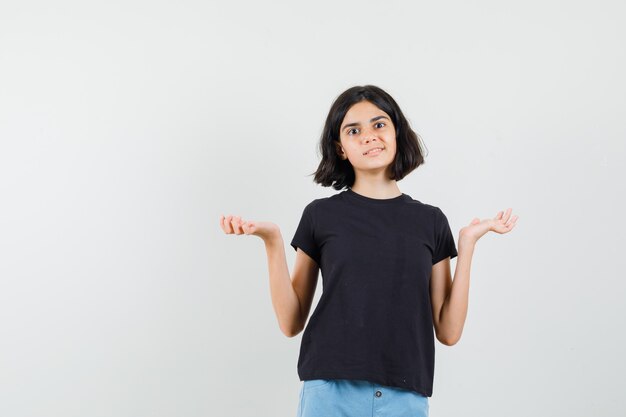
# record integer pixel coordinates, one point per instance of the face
(363, 128)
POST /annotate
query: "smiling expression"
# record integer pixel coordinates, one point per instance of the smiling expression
(365, 128)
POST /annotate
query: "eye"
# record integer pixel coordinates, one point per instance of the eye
(381, 123)
(351, 130)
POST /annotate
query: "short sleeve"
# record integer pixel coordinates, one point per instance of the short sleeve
(304, 238)
(444, 240)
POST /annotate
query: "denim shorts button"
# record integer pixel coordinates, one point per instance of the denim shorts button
(378, 393)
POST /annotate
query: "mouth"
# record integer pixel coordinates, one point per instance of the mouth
(373, 152)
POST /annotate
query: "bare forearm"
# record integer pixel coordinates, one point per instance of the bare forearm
(284, 298)
(454, 308)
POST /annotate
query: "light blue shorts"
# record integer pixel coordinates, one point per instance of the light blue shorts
(347, 398)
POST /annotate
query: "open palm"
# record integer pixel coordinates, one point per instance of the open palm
(502, 223)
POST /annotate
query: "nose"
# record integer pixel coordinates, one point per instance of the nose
(369, 135)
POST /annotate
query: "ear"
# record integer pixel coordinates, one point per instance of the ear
(339, 150)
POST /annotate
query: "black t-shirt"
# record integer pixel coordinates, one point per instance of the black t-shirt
(373, 321)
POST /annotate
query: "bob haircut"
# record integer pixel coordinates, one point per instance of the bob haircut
(339, 173)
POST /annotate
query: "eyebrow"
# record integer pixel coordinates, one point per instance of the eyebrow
(373, 119)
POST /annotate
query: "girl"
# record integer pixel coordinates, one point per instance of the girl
(368, 349)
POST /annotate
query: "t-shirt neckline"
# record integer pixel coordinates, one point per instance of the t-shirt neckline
(362, 198)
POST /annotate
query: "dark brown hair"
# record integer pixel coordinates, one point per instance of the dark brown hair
(338, 173)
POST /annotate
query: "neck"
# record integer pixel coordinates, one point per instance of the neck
(383, 188)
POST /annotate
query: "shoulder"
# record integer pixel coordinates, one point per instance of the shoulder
(424, 208)
(314, 204)
(314, 207)
(429, 213)
(324, 203)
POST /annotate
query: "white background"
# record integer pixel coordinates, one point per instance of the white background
(127, 128)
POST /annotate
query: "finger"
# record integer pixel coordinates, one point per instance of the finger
(246, 226)
(507, 214)
(236, 225)
(512, 221)
(239, 228)
(228, 227)
(223, 223)
(499, 215)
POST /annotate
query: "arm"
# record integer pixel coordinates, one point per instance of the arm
(291, 298)
(449, 299)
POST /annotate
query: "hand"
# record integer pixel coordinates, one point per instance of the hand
(236, 225)
(502, 223)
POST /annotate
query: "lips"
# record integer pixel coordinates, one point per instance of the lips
(373, 149)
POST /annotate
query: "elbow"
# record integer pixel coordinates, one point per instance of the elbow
(287, 332)
(291, 332)
(449, 340)
(293, 326)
